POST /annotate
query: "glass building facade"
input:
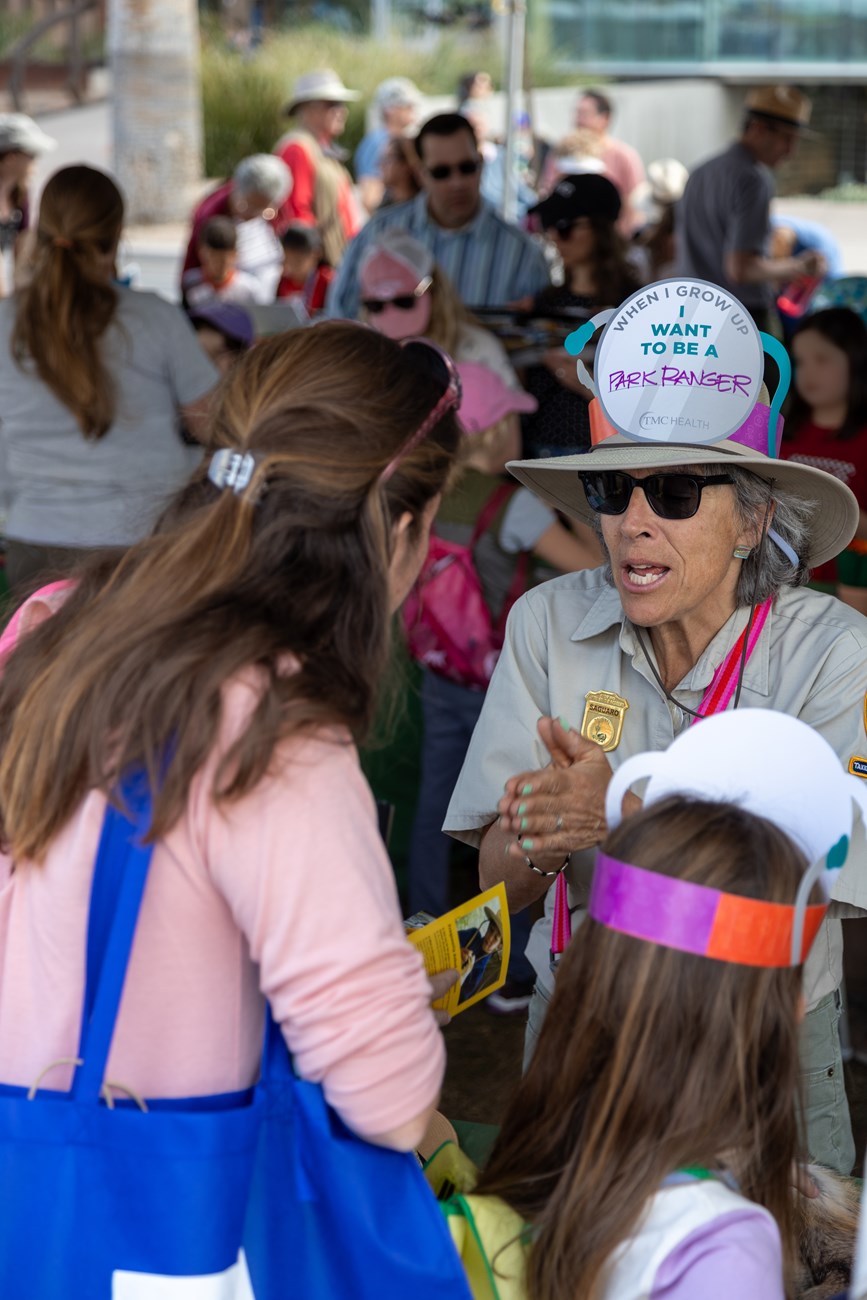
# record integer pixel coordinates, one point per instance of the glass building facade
(707, 34)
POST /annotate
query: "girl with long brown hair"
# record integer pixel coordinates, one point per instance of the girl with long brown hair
(650, 1145)
(236, 654)
(93, 378)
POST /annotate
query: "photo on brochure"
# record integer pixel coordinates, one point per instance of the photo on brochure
(474, 939)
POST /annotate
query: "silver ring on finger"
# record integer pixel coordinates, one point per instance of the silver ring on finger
(558, 825)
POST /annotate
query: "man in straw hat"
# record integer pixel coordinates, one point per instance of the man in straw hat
(710, 539)
(477, 947)
(322, 193)
(723, 218)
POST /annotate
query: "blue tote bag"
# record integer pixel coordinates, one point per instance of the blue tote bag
(245, 1196)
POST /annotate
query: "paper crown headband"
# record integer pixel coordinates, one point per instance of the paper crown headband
(771, 765)
(682, 361)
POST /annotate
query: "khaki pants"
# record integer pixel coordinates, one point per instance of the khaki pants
(826, 1110)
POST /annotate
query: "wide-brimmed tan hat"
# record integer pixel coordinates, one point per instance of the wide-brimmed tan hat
(782, 103)
(494, 920)
(322, 84)
(556, 479)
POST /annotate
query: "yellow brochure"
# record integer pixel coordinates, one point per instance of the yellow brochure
(473, 939)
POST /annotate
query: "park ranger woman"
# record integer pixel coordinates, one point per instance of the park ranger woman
(701, 607)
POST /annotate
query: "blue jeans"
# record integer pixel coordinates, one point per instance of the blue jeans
(450, 713)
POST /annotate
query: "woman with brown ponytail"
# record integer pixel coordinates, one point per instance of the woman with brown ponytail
(236, 654)
(93, 379)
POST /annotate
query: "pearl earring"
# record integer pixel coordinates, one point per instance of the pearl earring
(742, 552)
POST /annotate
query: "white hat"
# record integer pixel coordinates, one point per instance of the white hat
(667, 177)
(323, 84)
(769, 763)
(395, 92)
(20, 134)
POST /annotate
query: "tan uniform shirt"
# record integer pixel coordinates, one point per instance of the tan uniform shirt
(570, 636)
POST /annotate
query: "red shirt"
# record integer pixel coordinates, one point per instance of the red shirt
(845, 458)
(314, 289)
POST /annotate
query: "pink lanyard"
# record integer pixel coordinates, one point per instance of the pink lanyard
(716, 699)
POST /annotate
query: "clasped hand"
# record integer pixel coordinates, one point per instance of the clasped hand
(560, 808)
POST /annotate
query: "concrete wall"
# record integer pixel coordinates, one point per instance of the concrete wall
(687, 120)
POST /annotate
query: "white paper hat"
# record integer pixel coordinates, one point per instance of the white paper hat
(766, 762)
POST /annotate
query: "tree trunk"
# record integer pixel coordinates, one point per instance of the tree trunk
(156, 106)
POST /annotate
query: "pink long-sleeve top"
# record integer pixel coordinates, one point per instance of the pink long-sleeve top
(286, 893)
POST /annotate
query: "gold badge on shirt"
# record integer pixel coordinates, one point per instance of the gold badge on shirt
(603, 718)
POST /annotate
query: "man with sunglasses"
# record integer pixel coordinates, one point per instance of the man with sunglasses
(723, 219)
(702, 607)
(489, 261)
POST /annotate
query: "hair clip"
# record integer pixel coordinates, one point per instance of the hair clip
(232, 469)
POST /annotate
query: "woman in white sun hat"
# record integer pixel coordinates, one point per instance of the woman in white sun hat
(702, 606)
(22, 141)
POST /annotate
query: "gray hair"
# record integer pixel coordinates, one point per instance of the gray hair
(263, 174)
(791, 519)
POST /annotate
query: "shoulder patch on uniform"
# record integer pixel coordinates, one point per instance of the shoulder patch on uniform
(858, 767)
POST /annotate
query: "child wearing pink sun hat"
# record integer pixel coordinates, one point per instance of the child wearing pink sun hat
(404, 294)
(395, 279)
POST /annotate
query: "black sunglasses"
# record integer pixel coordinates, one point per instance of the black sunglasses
(376, 305)
(442, 171)
(564, 228)
(671, 496)
(403, 301)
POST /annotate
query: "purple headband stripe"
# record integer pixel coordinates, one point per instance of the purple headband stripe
(647, 905)
(696, 919)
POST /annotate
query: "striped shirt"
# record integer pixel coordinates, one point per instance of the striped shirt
(489, 261)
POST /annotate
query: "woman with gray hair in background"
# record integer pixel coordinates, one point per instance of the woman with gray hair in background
(702, 606)
(260, 184)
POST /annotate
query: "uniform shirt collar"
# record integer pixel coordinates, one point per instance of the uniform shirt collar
(606, 612)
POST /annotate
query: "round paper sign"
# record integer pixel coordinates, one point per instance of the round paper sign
(679, 361)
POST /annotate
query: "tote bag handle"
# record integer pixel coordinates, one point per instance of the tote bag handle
(119, 879)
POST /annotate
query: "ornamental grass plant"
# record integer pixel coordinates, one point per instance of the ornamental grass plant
(243, 93)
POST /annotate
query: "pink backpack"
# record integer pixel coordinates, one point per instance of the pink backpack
(449, 627)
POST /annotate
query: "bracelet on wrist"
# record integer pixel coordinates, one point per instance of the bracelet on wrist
(538, 870)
